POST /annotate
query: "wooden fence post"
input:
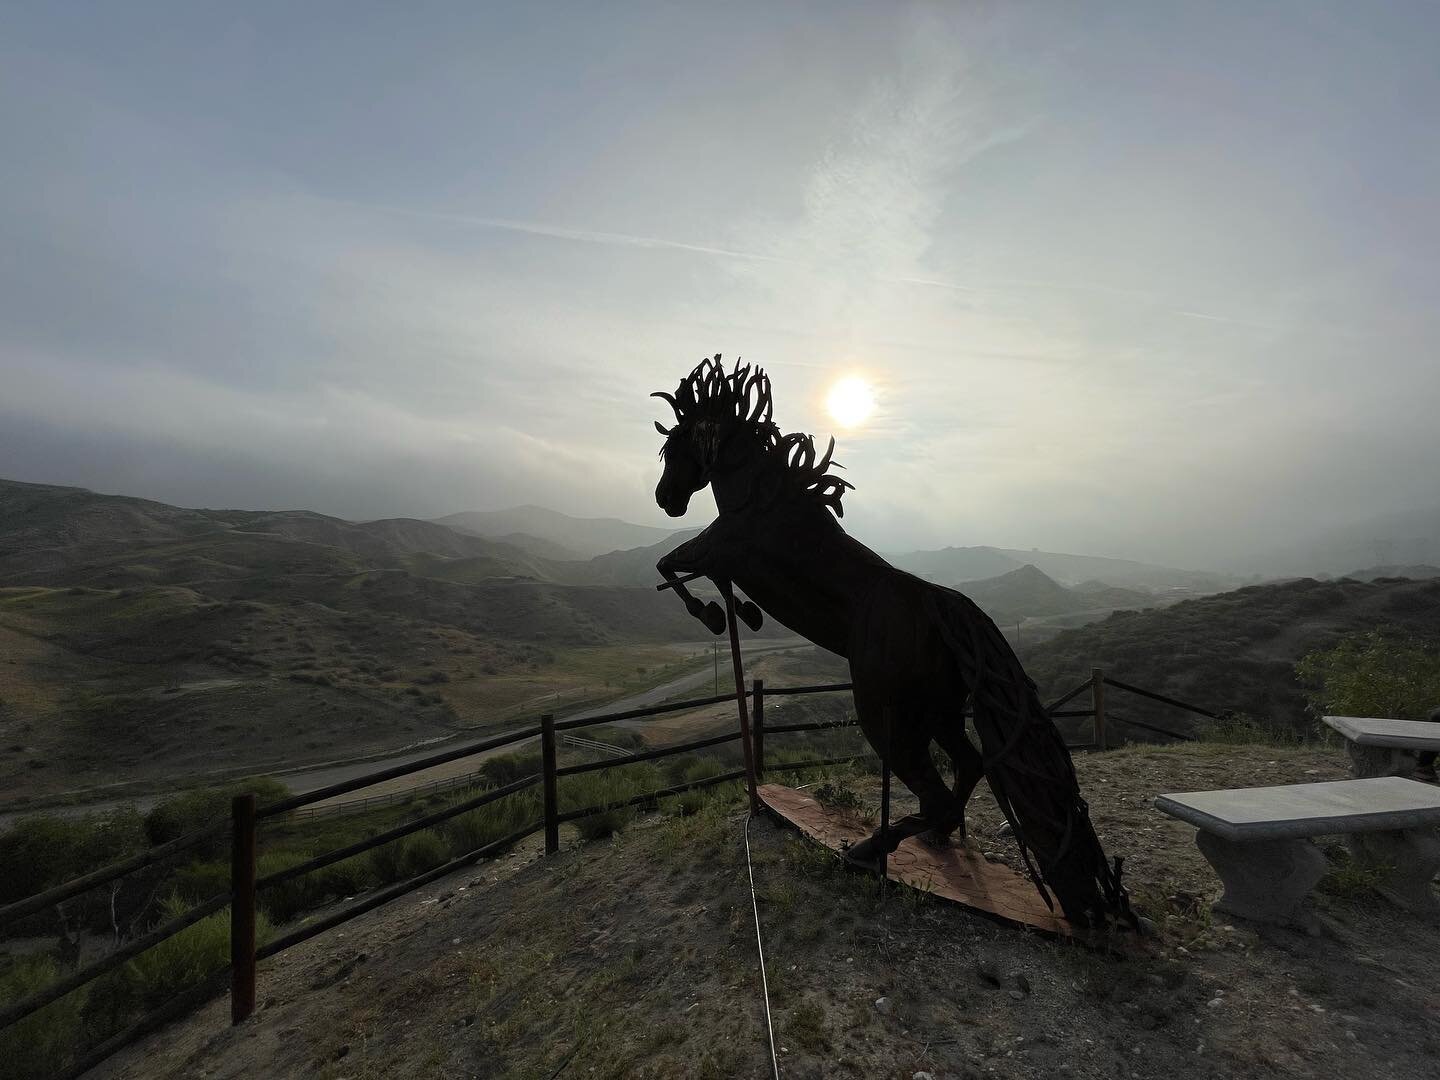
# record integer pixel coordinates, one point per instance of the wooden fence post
(1097, 697)
(242, 907)
(552, 801)
(757, 727)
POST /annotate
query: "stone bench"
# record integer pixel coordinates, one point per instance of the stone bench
(1379, 746)
(1258, 841)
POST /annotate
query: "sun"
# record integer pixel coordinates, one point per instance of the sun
(851, 401)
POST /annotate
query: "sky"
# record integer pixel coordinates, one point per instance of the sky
(1150, 281)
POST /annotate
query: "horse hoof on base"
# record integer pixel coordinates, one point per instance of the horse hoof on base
(867, 854)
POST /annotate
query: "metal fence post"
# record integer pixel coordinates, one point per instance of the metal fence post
(552, 801)
(1097, 697)
(757, 727)
(242, 907)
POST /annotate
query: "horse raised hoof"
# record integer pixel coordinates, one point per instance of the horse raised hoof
(750, 614)
(714, 618)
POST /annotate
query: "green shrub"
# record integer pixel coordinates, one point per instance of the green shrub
(507, 768)
(838, 795)
(410, 855)
(185, 959)
(45, 850)
(1242, 728)
(191, 810)
(495, 821)
(284, 901)
(348, 876)
(198, 881)
(1382, 672)
(39, 1045)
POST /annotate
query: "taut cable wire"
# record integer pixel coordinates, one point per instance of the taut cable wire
(760, 948)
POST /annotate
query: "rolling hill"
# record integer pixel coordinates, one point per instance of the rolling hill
(1029, 593)
(1235, 650)
(955, 566)
(584, 538)
(142, 639)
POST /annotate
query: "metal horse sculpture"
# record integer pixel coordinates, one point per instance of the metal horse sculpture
(917, 651)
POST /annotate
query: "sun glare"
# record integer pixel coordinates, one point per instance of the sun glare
(851, 401)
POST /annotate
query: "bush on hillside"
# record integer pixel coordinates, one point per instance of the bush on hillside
(191, 810)
(1382, 672)
(185, 959)
(44, 850)
(39, 1045)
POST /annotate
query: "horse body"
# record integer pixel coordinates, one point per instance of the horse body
(916, 650)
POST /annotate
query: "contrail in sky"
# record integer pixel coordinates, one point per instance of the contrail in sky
(595, 236)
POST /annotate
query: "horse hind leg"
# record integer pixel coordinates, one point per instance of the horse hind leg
(969, 768)
(909, 757)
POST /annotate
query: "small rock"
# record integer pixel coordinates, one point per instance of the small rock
(1016, 995)
(455, 941)
(922, 1076)
(884, 1006)
(1215, 1002)
(1351, 1035)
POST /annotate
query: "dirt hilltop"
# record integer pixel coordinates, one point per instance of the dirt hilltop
(636, 958)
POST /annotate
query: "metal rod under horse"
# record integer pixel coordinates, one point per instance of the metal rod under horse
(917, 650)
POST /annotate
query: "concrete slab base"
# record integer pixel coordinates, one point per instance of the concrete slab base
(1265, 880)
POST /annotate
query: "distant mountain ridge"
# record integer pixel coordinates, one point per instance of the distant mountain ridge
(585, 537)
(957, 565)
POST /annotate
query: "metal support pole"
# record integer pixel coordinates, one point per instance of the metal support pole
(1097, 697)
(757, 730)
(740, 697)
(885, 803)
(552, 800)
(242, 907)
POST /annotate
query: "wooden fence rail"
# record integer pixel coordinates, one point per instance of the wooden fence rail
(243, 895)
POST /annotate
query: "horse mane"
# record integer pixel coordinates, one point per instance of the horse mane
(710, 396)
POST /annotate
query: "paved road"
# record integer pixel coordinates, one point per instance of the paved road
(310, 778)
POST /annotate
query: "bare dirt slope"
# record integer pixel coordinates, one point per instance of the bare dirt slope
(636, 958)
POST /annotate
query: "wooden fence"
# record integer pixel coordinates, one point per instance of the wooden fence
(245, 887)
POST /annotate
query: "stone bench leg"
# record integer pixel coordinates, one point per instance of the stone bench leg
(1409, 859)
(1265, 880)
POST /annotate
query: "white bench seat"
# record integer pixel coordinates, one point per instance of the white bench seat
(1258, 840)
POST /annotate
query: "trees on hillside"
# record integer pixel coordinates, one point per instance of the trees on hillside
(1381, 672)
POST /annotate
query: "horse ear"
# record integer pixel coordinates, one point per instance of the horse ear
(669, 399)
(662, 430)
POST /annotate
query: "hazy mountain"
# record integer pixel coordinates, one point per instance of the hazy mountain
(586, 537)
(955, 566)
(635, 566)
(1029, 593)
(1414, 573)
(1408, 537)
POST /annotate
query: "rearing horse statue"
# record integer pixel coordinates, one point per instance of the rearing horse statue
(917, 651)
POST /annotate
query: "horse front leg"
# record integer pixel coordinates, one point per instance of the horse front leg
(711, 614)
(694, 557)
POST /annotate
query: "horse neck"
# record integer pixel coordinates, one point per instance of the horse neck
(744, 484)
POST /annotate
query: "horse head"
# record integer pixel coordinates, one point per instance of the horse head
(711, 406)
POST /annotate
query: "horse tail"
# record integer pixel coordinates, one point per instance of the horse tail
(1029, 768)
